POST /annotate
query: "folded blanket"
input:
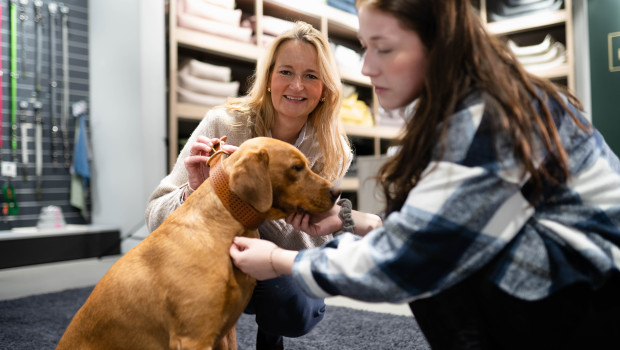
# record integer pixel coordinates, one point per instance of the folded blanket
(344, 5)
(186, 96)
(503, 11)
(532, 49)
(212, 12)
(354, 111)
(204, 25)
(271, 25)
(206, 86)
(227, 4)
(205, 70)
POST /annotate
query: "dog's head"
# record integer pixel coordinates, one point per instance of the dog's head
(274, 178)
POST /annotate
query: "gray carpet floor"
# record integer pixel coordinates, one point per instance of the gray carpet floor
(38, 322)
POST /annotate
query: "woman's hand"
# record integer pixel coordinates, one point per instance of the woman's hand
(199, 153)
(261, 259)
(317, 224)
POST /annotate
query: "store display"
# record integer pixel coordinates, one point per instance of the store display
(35, 107)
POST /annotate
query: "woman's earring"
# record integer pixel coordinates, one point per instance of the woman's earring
(322, 99)
(268, 89)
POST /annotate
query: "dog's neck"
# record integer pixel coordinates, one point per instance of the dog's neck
(249, 217)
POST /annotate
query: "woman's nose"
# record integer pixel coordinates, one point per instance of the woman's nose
(368, 67)
(297, 84)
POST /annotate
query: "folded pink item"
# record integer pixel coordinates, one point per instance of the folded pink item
(267, 40)
(271, 25)
(186, 96)
(204, 25)
(206, 86)
(227, 4)
(205, 70)
(206, 10)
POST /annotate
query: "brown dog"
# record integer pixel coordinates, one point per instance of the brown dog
(178, 289)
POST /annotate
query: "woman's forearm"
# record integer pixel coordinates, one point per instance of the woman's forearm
(365, 222)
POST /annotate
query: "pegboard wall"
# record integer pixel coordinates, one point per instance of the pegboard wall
(55, 179)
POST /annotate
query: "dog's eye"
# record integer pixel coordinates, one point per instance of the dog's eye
(298, 167)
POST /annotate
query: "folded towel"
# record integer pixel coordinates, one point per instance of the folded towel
(271, 25)
(189, 21)
(186, 96)
(503, 11)
(206, 10)
(206, 86)
(348, 60)
(532, 49)
(354, 111)
(206, 70)
(344, 5)
(556, 50)
(227, 4)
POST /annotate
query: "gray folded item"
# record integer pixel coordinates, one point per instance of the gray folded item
(503, 11)
(520, 2)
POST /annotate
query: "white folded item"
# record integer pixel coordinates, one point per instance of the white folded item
(556, 50)
(205, 70)
(204, 25)
(206, 10)
(186, 96)
(267, 40)
(209, 87)
(539, 67)
(271, 25)
(532, 49)
(227, 4)
(347, 59)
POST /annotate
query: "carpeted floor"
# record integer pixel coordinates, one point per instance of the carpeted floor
(37, 322)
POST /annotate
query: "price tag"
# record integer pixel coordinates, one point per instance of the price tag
(9, 169)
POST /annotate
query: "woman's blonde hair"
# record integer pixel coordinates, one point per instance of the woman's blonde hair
(260, 113)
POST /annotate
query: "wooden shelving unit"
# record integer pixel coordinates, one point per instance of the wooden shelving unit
(559, 21)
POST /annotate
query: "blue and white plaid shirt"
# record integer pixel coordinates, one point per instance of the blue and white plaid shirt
(469, 210)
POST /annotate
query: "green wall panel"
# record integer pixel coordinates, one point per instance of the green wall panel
(604, 36)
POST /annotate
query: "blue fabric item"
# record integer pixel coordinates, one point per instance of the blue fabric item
(282, 309)
(471, 210)
(80, 154)
(344, 5)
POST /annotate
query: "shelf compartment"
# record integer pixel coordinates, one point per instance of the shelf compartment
(530, 22)
(217, 45)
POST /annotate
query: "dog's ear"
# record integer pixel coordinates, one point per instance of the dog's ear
(249, 179)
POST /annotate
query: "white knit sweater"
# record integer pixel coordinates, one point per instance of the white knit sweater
(219, 122)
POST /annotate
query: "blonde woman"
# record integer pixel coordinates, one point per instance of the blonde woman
(295, 97)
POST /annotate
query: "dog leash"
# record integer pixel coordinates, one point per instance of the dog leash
(244, 213)
(52, 9)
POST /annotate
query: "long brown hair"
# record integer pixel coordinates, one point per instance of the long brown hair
(462, 56)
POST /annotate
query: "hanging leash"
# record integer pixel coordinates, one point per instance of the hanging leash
(37, 104)
(52, 8)
(24, 126)
(10, 206)
(64, 10)
(23, 17)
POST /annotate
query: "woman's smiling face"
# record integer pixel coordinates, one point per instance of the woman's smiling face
(295, 82)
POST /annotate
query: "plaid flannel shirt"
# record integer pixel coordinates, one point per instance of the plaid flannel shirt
(470, 210)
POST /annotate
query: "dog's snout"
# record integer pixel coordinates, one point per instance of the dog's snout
(334, 193)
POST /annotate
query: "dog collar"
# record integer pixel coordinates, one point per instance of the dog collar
(244, 213)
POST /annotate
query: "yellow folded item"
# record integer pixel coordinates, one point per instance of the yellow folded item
(355, 112)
